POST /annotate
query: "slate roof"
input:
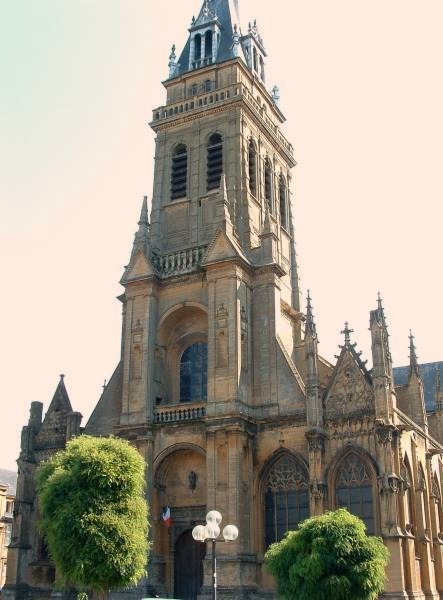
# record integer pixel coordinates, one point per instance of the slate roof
(427, 372)
(227, 16)
(10, 478)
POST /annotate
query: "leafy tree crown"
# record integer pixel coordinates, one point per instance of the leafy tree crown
(94, 514)
(329, 557)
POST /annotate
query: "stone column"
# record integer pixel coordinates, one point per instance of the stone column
(317, 487)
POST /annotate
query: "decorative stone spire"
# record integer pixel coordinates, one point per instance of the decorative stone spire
(314, 406)
(437, 390)
(310, 327)
(235, 41)
(413, 359)
(142, 237)
(172, 62)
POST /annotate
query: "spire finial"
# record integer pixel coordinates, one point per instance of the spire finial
(144, 213)
(310, 327)
(172, 64)
(413, 359)
(141, 238)
(62, 376)
(276, 94)
(347, 333)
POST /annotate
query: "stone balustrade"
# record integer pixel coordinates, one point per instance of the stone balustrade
(178, 414)
(177, 263)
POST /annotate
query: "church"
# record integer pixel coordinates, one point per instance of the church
(220, 384)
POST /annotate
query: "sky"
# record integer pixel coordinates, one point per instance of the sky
(362, 92)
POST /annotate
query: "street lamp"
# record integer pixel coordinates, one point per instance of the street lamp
(211, 531)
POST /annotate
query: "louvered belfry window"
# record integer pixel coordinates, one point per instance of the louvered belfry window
(283, 203)
(179, 172)
(268, 184)
(252, 160)
(215, 161)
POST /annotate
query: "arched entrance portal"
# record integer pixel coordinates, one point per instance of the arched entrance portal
(188, 566)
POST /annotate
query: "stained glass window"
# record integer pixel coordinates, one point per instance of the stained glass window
(354, 490)
(194, 373)
(286, 498)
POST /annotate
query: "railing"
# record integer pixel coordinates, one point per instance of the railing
(175, 414)
(177, 263)
(214, 97)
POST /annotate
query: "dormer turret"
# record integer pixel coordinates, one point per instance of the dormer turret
(205, 38)
(254, 51)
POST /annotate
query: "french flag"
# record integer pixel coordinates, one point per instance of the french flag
(166, 516)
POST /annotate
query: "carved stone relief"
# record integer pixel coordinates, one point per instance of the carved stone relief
(350, 391)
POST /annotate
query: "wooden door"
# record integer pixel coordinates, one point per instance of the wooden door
(188, 566)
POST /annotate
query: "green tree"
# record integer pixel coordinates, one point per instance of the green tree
(94, 514)
(329, 557)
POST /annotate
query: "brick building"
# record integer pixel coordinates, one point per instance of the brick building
(220, 384)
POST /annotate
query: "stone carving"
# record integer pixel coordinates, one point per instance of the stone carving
(388, 483)
(286, 475)
(350, 391)
(316, 441)
(348, 428)
(318, 490)
(385, 434)
(435, 489)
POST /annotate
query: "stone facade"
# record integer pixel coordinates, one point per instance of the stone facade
(220, 385)
(7, 496)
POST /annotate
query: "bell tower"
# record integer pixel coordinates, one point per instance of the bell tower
(211, 314)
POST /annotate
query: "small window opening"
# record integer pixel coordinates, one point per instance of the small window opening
(215, 161)
(197, 47)
(208, 85)
(254, 53)
(194, 373)
(262, 68)
(179, 172)
(208, 44)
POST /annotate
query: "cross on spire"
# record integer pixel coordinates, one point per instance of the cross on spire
(347, 333)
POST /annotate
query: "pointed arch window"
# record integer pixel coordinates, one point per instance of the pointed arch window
(354, 490)
(268, 184)
(194, 373)
(179, 172)
(286, 498)
(214, 161)
(283, 194)
(252, 164)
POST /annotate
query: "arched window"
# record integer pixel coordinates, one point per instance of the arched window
(252, 160)
(208, 44)
(197, 47)
(353, 490)
(283, 202)
(194, 373)
(268, 184)
(179, 172)
(208, 85)
(286, 498)
(215, 161)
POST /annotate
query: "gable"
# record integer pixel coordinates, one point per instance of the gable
(222, 248)
(138, 267)
(349, 392)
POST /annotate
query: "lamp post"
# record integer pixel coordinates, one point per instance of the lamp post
(211, 531)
